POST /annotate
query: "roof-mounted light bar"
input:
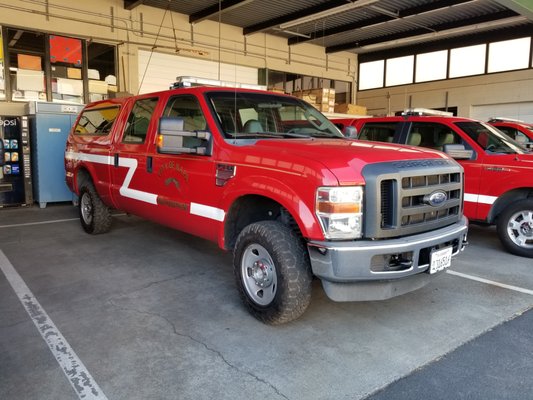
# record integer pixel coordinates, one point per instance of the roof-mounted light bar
(426, 112)
(191, 81)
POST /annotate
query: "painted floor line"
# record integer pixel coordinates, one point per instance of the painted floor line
(54, 221)
(489, 282)
(39, 223)
(79, 377)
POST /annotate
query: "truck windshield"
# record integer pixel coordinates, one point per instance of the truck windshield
(263, 115)
(491, 139)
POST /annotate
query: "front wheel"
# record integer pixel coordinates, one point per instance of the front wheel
(272, 272)
(515, 228)
(94, 214)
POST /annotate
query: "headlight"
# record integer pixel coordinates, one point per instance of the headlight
(340, 211)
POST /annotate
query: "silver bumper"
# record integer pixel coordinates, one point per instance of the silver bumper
(380, 269)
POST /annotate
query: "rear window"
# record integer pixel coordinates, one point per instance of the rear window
(97, 122)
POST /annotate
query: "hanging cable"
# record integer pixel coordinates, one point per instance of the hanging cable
(153, 47)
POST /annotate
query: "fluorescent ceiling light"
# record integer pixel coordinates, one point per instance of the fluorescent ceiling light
(327, 13)
(446, 33)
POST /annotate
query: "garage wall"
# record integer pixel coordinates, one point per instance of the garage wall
(157, 71)
(150, 28)
(508, 94)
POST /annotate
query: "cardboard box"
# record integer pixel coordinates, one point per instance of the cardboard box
(28, 79)
(26, 61)
(347, 108)
(99, 87)
(74, 73)
(59, 71)
(93, 74)
(71, 87)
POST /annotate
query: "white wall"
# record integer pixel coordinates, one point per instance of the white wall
(509, 94)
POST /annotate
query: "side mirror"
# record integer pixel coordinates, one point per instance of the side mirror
(172, 139)
(458, 151)
(350, 132)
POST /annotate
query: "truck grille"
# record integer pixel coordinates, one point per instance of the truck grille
(408, 197)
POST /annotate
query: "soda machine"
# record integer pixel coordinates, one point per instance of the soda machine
(15, 165)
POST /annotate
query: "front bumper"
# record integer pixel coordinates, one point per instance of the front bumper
(381, 269)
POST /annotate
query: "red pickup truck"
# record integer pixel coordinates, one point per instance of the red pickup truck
(498, 169)
(270, 178)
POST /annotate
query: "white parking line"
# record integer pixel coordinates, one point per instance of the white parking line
(54, 221)
(489, 282)
(39, 223)
(80, 379)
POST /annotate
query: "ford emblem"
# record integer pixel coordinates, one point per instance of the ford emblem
(436, 198)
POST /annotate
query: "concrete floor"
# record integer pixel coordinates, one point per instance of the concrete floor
(154, 314)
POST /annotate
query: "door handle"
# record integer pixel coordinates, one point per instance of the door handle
(149, 163)
(116, 160)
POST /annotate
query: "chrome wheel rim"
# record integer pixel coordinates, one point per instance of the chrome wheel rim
(520, 229)
(259, 274)
(86, 207)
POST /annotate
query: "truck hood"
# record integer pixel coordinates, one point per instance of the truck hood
(346, 158)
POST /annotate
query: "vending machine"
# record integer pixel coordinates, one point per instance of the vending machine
(50, 125)
(15, 165)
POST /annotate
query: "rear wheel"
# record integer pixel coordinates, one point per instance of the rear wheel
(94, 214)
(515, 228)
(272, 272)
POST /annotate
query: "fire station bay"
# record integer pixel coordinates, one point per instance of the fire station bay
(236, 199)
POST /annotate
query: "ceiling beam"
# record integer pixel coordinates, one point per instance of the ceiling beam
(276, 22)
(471, 39)
(420, 31)
(523, 7)
(225, 5)
(131, 4)
(430, 7)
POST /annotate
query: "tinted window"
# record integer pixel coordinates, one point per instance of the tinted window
(432, 135)
(378, 131)
(491, 139)
(253, 115)
(139, 120)
(188, 108)
(97, 121)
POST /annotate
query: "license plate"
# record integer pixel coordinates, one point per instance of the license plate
(440, 259)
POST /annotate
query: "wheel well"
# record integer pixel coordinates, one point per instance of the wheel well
(82, 176)
(503, 201)
(252, 208)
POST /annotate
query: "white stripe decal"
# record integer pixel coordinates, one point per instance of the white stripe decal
(207, 211)
(79, 377)
(479, 198)
(202, 210)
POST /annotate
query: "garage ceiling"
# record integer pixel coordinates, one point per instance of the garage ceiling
(363, 26)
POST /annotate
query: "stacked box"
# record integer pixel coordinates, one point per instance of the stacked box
(348, 108)
(322, 99)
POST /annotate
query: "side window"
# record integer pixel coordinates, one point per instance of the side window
(432, 135)
(97, 122)
(378, 131)
(188, 108)
(139, 120)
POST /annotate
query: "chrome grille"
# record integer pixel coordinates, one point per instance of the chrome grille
(398, 197)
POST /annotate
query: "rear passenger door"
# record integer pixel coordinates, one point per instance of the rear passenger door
(132, 158)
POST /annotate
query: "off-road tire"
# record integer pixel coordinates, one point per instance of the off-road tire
(290, 272)
(95, 217)
(515, 228)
